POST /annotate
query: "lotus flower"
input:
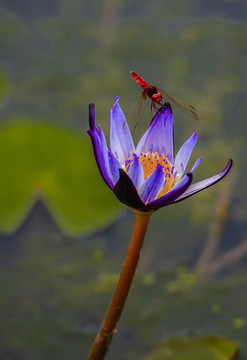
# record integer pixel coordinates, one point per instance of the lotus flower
(149, 176)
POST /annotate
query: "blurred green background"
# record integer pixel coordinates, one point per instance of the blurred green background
(63, 235)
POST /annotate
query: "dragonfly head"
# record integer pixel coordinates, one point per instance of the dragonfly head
(157, 97)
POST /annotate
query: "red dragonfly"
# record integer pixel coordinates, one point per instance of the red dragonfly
(157, 96)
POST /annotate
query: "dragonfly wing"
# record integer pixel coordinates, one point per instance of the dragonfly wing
(187, 109)
(136, 110)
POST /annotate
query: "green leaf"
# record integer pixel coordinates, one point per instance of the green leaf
(39, 160)
(195, 348)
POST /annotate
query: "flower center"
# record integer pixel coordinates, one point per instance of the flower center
(149, 162)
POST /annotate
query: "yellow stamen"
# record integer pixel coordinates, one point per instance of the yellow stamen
(149, 162)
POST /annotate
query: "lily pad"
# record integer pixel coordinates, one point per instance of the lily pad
(57, 164)
(196, 348)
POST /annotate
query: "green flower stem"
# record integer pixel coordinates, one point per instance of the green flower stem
(109, 325)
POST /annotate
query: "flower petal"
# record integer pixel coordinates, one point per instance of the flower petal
(100, 148)
(126, 193)
(159, 135)
(92, 116)
(136, 173)
(195, 165)
(184, 153)
(114, 167)
(152, 185)
(193, 189)
(120, 137)
(173, 194)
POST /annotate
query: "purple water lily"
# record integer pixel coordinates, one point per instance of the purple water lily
(149, 176)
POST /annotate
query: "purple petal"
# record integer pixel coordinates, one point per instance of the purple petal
(173, 194)
(114, 167)
(101, 157)
(159, 134)
(136, 173)
(126, 193)
(152, 185)
(193, 189)
(184, 153)
(92, 116)
(120, 137)
(100, 148)
(195, 165)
